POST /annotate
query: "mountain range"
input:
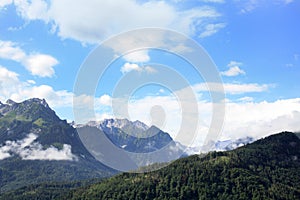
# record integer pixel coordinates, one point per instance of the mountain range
(131, 136)
(36, 146)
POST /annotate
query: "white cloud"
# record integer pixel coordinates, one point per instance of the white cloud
(234, 69)
(13, 88)
(161, 91)
(169, 119)
(31, 82)
(28, 149)
(32, 10)
(38, 64)
(262, 118)
(9, 81)
(105, 100)
(98, 20)
(232, 88)
(254, 119)
(87, 101)
(211, 29)
(88, 108)
(137, 56)
(10, 50)
(5, 3)
(127, 67)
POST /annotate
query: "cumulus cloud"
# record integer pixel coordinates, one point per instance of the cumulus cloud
(242, 118)
(97, 20)
(28, 149)
(38, 64)
(259, 119)
(11, 87)
(11, 51)
(105, 100)
(127, 67)
(32, 10)
(234, 69)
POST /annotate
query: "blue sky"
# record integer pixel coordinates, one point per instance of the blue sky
(254, 44)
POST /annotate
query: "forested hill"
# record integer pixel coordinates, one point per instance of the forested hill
(266, 169)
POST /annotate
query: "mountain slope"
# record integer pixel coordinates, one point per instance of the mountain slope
(134, 136)
(266, 169)
(132, 144)
(36, 146)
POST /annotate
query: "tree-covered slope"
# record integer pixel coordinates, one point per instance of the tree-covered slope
(266, 169)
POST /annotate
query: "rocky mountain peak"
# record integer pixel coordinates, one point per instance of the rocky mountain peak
(123, 124)
(10, 102)
(37, 101)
